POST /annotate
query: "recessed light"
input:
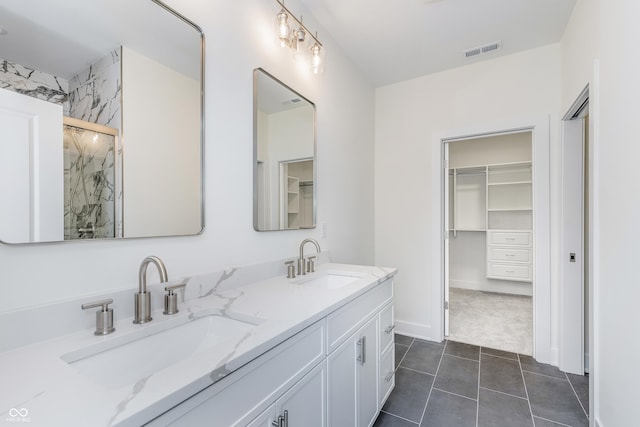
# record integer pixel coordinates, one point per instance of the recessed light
(3, 31)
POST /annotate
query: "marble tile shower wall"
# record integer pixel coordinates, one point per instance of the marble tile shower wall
(34, 83)
(94, 94)
(89, 175)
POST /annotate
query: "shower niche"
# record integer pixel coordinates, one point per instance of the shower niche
(91, 180)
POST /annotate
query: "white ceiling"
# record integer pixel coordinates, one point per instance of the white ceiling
(395, 40)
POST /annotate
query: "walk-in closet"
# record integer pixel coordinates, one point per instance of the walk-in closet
(489, 246)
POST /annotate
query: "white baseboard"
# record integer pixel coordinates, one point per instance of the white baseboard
(498, 286)
(586, 361)
(555, 358)
(417, 330)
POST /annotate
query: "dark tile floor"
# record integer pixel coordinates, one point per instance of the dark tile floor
(457, 385)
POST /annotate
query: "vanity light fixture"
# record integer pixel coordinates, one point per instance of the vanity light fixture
(296, 40)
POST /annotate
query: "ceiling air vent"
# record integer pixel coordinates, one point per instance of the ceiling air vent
(291, 101)
(481, 50)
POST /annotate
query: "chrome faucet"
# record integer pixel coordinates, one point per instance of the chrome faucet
(143, 298)
(302, 268)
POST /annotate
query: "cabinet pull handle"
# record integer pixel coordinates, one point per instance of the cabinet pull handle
(389, 329)
(282, 421)
(389, 376)
(362, 353)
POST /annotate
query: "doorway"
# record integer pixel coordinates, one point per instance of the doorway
(489, 240)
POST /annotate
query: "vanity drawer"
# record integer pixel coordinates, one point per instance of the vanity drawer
(240, 397)
(387, 376)
(386, 327)
(509, 254)
(509, 271)
(520, 238)
(343, 322)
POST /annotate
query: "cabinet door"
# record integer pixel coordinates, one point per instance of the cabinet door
(367, 373)
(265, 419)
(387, 374)
(342, 398)
(305, 403)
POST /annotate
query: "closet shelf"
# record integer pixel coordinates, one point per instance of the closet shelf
(510, 183)
(509, 210)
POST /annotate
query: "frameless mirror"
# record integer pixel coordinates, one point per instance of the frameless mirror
(101, 108)
(284, 183)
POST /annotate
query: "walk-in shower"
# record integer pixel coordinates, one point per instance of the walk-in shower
(90, 176)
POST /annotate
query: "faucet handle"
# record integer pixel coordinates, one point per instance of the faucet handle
(311, 264)
(291, 269)
(104, 316)
(171, 299)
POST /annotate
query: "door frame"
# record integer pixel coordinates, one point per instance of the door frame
(540, 129)
(572, 325)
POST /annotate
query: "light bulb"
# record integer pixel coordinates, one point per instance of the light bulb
(284, 30)
(316, 60)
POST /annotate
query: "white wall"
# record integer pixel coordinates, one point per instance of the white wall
(239, 38)
(166, 140)
(608, 32)
(409, 117)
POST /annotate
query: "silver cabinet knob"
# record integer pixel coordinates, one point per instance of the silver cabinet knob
(104, 316)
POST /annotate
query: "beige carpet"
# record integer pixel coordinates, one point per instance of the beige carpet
(500, 321)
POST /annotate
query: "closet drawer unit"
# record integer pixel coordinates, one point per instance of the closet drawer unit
(516, 254)
(386, 327)
(509, 271)
(516, 238)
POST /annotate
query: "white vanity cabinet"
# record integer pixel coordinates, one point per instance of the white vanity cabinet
(290, 377)
(329, 374)
(354, 360)
(304, 404)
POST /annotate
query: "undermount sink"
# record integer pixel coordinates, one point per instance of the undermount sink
(145, 352)
(331, 279)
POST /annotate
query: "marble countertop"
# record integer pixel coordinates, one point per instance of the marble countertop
(39, 387)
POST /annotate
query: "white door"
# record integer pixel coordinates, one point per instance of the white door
(572, 252)
(31, 169)
(447, 226)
